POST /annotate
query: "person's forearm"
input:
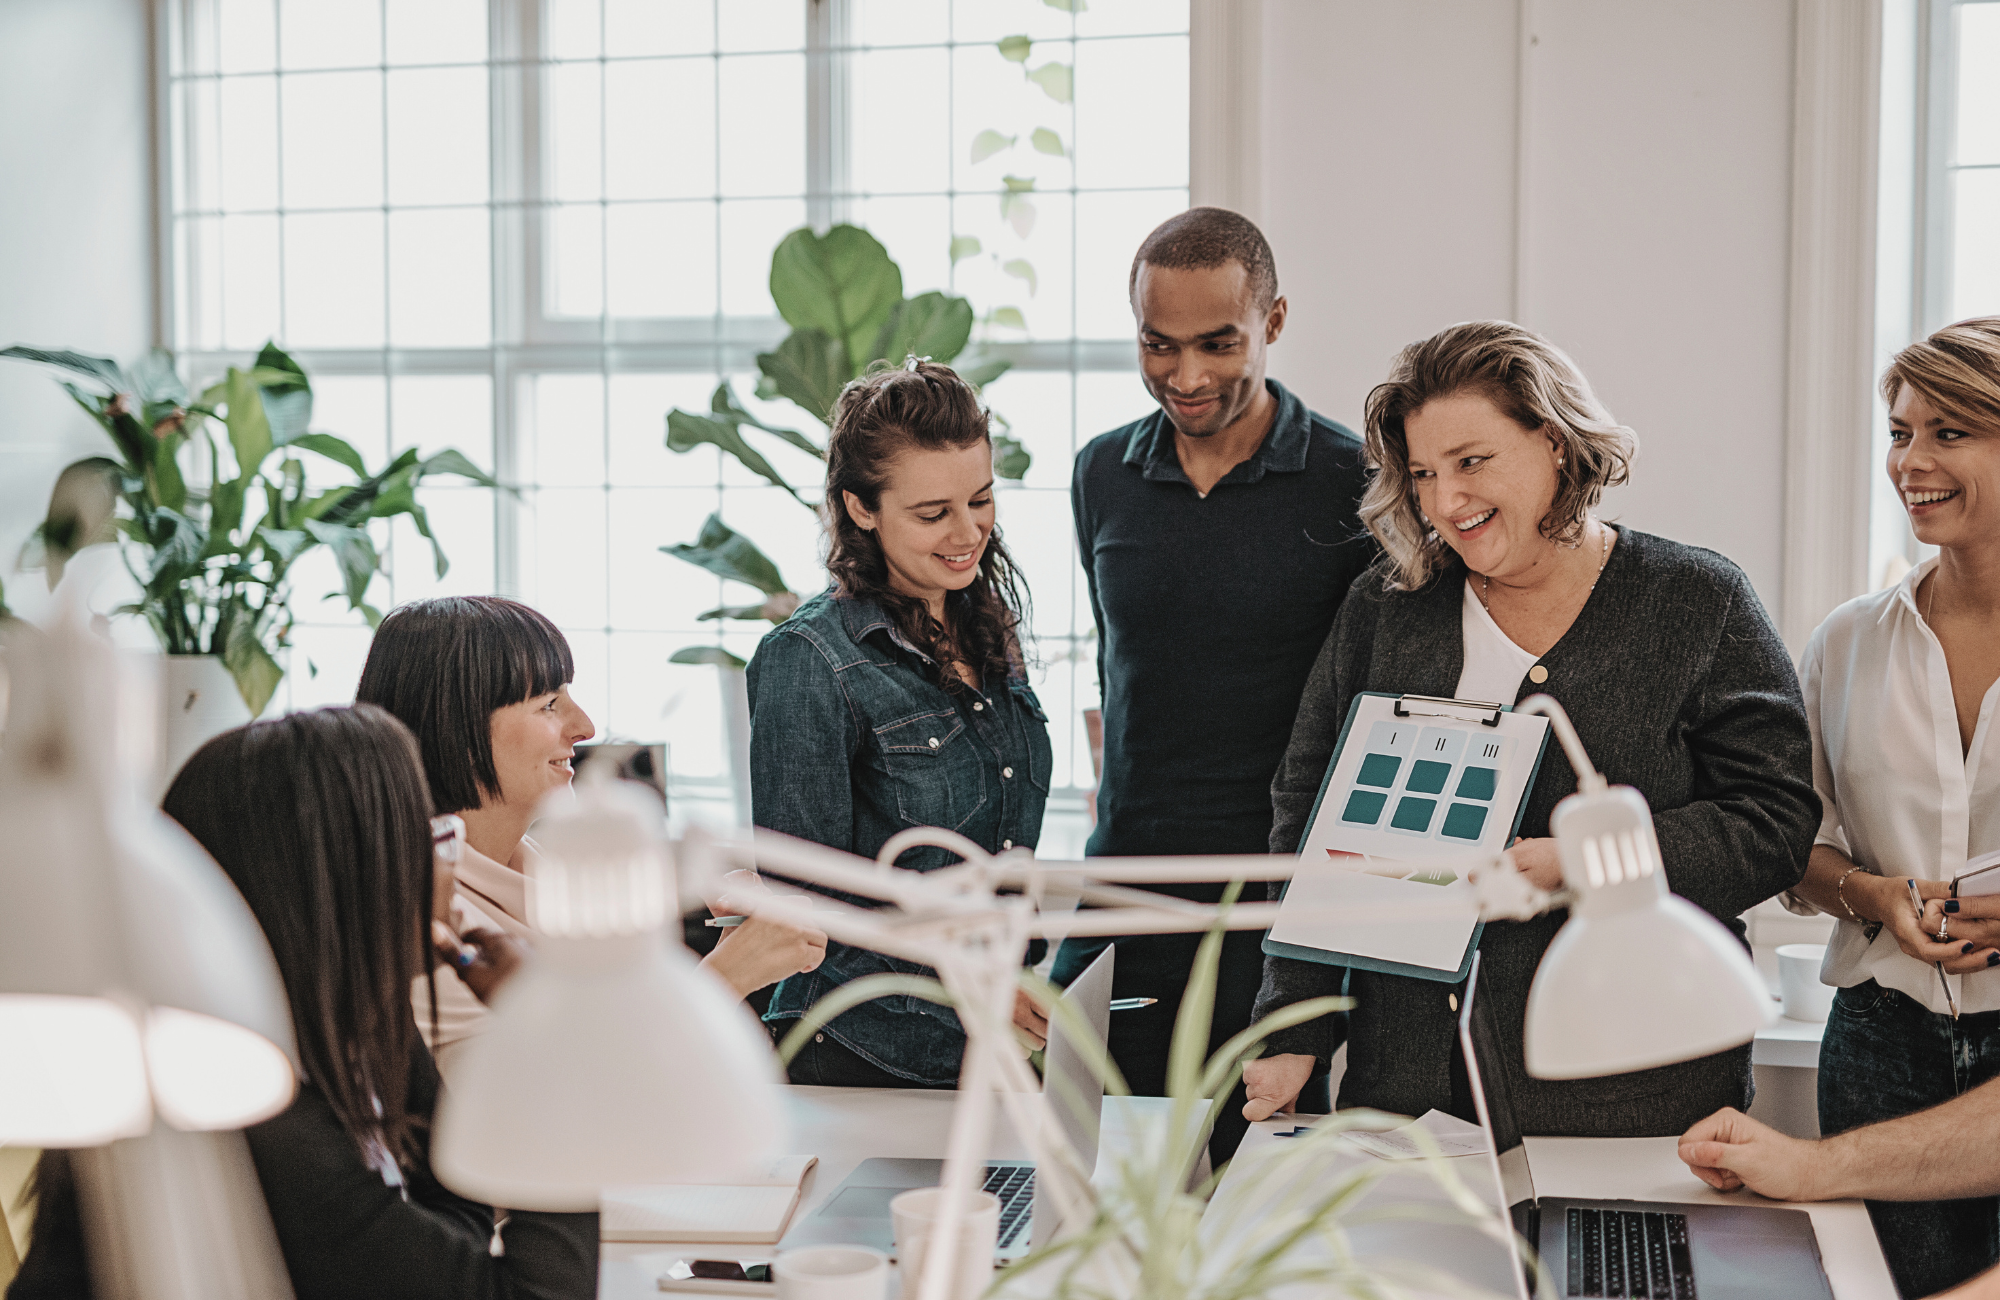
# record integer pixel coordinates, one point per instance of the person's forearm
(1940, 1154)
(1822, 888)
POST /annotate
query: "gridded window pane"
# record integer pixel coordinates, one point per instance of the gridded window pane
(643, 698)
(437, 136)
(573, 29)
(1109, 230)
(760, 25)
(901, 22)
(750, 229)
(1132, 17)
(1131, 123)
(990, 93)
(1975, 267)
(333, 140)
(440, 278)
(989, 20)
(901, 144)
(461, 518)
(1978, 133)
(330, 33)
(246, 35)
(662, 259)
(565, 555)
(637, 431)
(576, 260)
(354, 408)
(198, 276)
(917, 233)
(246, 137)
(761, 100)
(591, 650)
(563, 432)
(636, 28)
(249, 258)
(575, 110)
(650, 589)
(437, 31)
(1001, 274)
(1037, 525)
(333, 280)
(324, 665)
(1037, 405)
(659, 129)
(433, 412)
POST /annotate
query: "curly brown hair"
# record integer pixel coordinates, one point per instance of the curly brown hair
(877, 417)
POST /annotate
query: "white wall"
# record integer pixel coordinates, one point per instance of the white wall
(75, 232)
(1621, 185)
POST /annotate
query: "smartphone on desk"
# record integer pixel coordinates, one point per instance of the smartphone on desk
(720, 1277)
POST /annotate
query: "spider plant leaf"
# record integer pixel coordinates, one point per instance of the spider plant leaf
(103, 369)
(338, 450)
(287, 393)
(705, 654)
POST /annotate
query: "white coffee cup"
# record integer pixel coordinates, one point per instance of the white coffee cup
(831, 1273)
(915, 1216)
(1799, 987)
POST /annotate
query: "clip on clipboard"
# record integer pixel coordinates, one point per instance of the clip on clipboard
(1415, 782)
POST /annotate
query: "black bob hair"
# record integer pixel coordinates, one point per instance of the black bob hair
(443, 666)
(322, 822)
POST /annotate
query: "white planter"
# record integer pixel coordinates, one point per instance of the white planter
(198, 702)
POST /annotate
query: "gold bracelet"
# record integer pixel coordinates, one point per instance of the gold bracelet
(1840, 892)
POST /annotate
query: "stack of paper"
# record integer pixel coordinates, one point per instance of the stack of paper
(750, 1212)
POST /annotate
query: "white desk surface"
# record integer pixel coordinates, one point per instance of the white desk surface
(1648, 1169)
(1789, 1042)
(843, 1127)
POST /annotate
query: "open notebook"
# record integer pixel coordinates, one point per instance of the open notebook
(745, 1212)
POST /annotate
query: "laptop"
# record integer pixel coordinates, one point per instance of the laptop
(857, 1214)
(1659, 1250)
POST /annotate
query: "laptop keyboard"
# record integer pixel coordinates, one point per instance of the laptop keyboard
(1630, 1253)
(1015, 1186)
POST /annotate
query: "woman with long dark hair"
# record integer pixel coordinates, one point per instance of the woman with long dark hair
(322, 822)
(899, 697)
(482, 682)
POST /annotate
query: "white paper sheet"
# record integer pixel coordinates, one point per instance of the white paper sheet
(1453, 1136)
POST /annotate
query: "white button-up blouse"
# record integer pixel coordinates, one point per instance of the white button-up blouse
(1900, 797)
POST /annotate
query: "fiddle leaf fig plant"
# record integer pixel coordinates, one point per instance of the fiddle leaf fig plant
(842, 294)
(214, 557)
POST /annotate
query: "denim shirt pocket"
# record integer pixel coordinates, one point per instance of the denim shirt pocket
(1035, 731)
(929, 762)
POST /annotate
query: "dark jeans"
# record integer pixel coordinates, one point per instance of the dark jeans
(1885, 1055)
(827, 1062)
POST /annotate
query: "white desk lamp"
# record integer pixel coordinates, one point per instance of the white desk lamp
(133, 977)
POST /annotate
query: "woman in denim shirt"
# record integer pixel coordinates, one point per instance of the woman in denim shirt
(898, 698)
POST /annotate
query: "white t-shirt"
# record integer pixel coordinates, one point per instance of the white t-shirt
(1900, 796)
(1494, 665)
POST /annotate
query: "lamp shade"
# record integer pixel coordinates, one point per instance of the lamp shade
(1638, 977)
(132, 974)
(611, 1059)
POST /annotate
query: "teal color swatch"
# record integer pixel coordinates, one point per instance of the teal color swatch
(1379, 769)
(1463, 822)
(1414, 814)
(1427, 777)
(1478, 783)
(1364, 806)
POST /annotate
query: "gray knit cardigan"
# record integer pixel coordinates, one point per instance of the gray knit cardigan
(1679, 686)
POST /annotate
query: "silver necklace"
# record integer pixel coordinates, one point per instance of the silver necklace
(1486, 583)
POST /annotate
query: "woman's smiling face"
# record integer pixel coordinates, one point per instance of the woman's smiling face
(1484, 482)
(1946, 471)
(533, 743)
(936, 514)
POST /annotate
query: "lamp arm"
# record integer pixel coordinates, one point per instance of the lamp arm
(1588, 779)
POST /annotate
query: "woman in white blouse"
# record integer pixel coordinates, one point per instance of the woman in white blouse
(1900, 689)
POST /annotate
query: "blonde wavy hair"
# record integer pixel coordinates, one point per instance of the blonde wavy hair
(1535, 385)
(1957, 370)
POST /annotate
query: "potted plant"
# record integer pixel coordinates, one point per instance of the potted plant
(212, 529)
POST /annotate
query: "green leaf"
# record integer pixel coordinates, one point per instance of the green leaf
(1022, 269)
(842, 284)
(178, 543)
(1015, 49)
(705, 654)
(453, 461)
(989, 142)
(284, 543)
(1010, 317)
(934, 325)
(687, 430)
(249, 429)
(256, 673)
(155, 381)
(354, 551)
(725, 406)
(729, 554)
(982, 371)
(1016, 208)
(1018, 184)
(288, 398)
(334, 449)
(1010, 459)
(1047, 141)
(964, 246)
(102, 369)
(731, 611)
(1056, 80)
(1068, 6)
(225, 515)
(810, 368)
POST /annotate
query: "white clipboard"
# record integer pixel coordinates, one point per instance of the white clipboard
(1414, 782)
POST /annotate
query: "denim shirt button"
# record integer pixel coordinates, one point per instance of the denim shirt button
(976, 707)
(1006, 844)
(933, 742)
(1007, 771)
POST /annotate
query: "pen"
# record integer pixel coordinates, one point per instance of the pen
(724, 922)
(1917, 901)
(1131, 1004)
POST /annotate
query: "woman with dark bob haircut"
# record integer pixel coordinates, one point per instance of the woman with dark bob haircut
(1499, 580)
(322, 822)
(483, 684)
(899, 698)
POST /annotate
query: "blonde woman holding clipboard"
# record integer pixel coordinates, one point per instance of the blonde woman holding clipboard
(1498, 582)
(1900, 689)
